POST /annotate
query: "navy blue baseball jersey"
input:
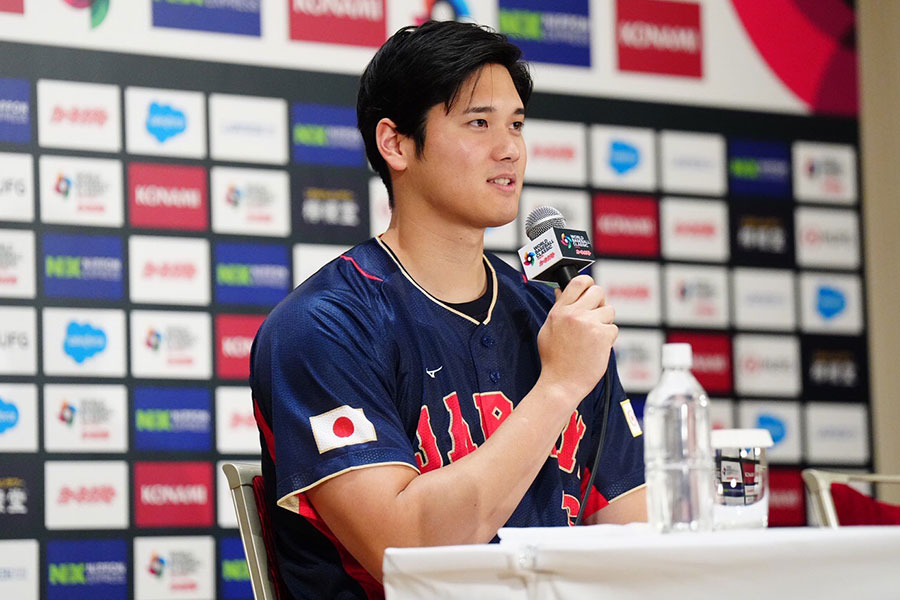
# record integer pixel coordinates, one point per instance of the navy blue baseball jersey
(359, 366)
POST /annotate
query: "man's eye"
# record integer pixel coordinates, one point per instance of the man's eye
(518, 125)
(479, 122)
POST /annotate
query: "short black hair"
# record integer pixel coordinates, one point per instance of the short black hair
(422, 66)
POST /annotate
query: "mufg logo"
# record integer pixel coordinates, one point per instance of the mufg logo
(83, 341)
(623, 157)
(165, 121)
(830, 302)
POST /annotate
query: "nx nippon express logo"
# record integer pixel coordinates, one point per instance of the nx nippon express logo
(351, 22)
(9, 415)
(172, 419)
(560, 35)
(15, 110)
(222, 16)
(830, 302)
(82, 266)
(251, 273)
(167, 196)
(165, 121)
(173, 494)
(759, 168)
(83, 341)
(623, 157)
(326, 135)
(658, 36)
(99, 8)
(234, 582)
(87, 569)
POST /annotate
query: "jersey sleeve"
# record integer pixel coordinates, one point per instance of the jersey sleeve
(621, 466)
(332, 386)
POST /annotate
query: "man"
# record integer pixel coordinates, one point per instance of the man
(414, 391)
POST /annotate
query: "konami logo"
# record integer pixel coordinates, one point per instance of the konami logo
(167, 196)
(353, 22)
(173, 494)
(657, 36)
(626, 225)
(234, 337)
(711, 359)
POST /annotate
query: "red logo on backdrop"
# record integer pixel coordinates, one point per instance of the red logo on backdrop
(234, 336)
(173, 494)
(626, 225)
(712, 359)
(353, 22)
(12, 6)
(787, 500)
(657, 36)
(167, 196)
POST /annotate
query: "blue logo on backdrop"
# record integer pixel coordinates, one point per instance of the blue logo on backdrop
(251, 273)
(15, 110)
(234, 16)
(326, 135)
(830, 302)
(775, 426)
(9, 415)
(172, 419)
(550, 32)
(83, 341)
(83, 266)
(164, 121)
(234, 575)
(759, 168)
(87, 569)
(623, 156)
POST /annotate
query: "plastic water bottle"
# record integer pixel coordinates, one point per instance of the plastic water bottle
(679, 463)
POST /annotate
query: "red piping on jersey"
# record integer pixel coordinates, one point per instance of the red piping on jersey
(370, 585)
(524, 279)
(358, 268)
(265, 429)
(595, 500)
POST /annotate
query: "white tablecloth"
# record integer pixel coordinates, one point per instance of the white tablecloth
(615, 562)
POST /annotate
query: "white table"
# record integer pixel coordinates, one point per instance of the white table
(615, 562)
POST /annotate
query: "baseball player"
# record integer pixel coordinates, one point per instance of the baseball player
(416, 391)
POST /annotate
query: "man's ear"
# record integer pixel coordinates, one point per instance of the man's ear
(393, 145)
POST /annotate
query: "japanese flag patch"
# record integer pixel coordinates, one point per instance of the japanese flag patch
(631, 418)
(343, 426)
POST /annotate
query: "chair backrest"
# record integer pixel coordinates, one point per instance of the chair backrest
(818, 484)
(240, 480)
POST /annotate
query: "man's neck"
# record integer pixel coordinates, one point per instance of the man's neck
(446, 260)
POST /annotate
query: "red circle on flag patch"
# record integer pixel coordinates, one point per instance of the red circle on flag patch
(343, 427)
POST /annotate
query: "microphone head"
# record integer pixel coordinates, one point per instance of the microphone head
(541, 219)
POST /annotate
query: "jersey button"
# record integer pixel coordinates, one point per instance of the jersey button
(487, 341)
(495, 376)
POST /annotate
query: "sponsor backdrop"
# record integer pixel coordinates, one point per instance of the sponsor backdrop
(170, 170)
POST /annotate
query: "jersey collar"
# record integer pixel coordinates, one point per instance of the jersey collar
(491, 271)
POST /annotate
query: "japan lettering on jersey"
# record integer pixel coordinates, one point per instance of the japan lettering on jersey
(360, 366)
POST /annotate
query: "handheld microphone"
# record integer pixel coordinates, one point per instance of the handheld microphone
(554, 254)
(557, 254)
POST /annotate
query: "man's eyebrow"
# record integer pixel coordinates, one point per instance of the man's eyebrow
(489, 109)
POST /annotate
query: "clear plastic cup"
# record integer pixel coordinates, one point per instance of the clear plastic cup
(741, 499)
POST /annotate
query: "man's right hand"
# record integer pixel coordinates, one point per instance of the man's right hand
(576, 339)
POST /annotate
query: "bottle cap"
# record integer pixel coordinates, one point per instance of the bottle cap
(676, 356)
